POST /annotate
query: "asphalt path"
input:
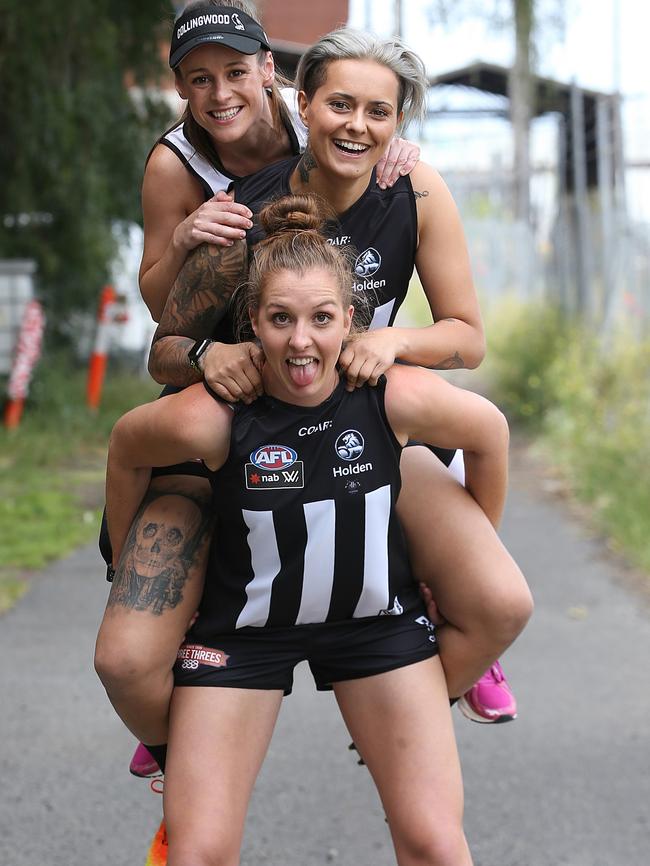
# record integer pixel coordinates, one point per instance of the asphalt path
(567, 784)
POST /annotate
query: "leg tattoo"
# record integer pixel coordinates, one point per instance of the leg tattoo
(163, 546)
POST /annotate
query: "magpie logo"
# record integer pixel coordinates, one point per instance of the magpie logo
(350, 445)
(367, 263)
(395, 610)
(236, 20)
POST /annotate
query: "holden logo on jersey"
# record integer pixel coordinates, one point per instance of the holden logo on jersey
(349, 445)
(274, 467)
(368, 263)
(273, 457)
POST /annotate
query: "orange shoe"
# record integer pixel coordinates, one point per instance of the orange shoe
(157, 855)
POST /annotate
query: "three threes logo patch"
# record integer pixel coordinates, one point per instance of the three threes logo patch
(193, 655)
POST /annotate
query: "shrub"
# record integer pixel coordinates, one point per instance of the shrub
(588, 402)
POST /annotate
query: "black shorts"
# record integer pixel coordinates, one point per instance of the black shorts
(445, 455)
(264, 658)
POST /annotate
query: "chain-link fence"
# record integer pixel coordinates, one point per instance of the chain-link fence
(587, 249)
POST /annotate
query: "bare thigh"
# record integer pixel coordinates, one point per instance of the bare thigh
(159, 579)
(401, 724)
(454, 548)
(218, 740)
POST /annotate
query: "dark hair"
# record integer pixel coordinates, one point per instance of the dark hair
(348, 44)
(194, 132)
(295, 241)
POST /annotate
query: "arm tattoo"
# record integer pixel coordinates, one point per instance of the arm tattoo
(307, 163)
(165, 548)
(423, 194)
(168, 362)
(197, 302)
(454, 362)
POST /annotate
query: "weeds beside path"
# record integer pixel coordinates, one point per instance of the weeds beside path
(587, 406)
(52, 469)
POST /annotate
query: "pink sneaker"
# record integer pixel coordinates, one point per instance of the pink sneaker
(143, 764)
(490, 699)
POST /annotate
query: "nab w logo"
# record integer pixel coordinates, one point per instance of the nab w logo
(263, 477)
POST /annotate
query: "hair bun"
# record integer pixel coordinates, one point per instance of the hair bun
(294, 213)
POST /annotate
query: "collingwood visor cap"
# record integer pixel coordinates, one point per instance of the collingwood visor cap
(221, 25)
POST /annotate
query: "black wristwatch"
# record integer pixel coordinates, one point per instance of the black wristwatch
(195, 353)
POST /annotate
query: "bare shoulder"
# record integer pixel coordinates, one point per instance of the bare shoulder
(164, 163)
(426, 181)
(408, 391)
(431, 192)
(165, 174)
(201, 420)
(406, 383)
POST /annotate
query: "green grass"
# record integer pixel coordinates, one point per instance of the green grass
(584, 403)
(52, 467)
(587, 404)
(11, 590)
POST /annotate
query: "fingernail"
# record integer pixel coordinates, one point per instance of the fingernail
(242, 234)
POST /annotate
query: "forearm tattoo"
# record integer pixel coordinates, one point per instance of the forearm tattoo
(307, 163)
(197, 302)
(423, 194)
(164, 549)
(168, 362)
(454, 362)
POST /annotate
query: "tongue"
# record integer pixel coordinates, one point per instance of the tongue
(304, 374)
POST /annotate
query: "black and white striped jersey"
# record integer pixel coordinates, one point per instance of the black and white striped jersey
(381, 227)
(215, 178)
(306, 525)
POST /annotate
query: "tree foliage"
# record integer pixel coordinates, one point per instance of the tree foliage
(72, 140)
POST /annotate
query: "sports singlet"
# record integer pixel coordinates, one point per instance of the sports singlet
(213, 179)
(306, 525)
(381, 226)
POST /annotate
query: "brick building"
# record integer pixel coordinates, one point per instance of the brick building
(292, 25)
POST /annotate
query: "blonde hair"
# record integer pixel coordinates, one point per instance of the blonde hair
(348, 44)
(295, 241)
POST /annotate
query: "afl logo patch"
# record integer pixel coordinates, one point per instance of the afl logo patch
(368, 263)
(349, 445)
(273, 457)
